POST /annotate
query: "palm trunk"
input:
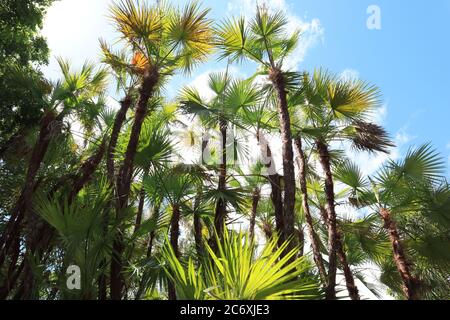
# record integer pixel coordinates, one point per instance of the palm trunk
(410, 283)
(118, 123)
(140, 211)
(324, 157)
(275, 184)
(198, 228)
(42, 243)
(334, 242)
(301, 241)
(220, 214)
(278, 82)
(87, 170)
(149, 83)
(349, 279)
(174, 235)
(268, 232)
(10, 239)
(255, 200)
(12, 230)
(315, 244)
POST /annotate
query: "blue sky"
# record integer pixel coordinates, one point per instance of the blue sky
(407, 58)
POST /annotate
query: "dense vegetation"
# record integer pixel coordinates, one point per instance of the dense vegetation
(113, 191)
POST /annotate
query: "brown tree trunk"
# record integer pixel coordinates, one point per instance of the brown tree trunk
(334, 242)
(44, 236)
(140, 211)
(149, 82)
(255, 200)
(324, 158)
(221, 209)
(275, 184)
(301, 241)
(119, 120)
(198, 228)
(174, 235)
(118, 123)
(349, 279)
(277, 79)
(11, 237)
(315, 244)
(87, 170)
(268, 232)
(410, 283)
(12, 230)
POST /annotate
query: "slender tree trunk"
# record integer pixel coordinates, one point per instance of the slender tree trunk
(198, 227)
(349, 279)
(149, 83)
(324, 157)
(277, 79)
(315, 244)
(301, 241)
(11, 237)
(334, 242)
(140, 211)
(152, 235)
(221, 210)
(87, 170)
(12, 230)
(42, 242)
(174, 235)
(275, 184)
(255, 200)
(268, 232)
(119, 120)
(118, 123)
(410, 283)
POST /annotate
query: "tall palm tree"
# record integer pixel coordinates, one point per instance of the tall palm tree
(220, 111)
(411, 189)
(73, 93)
(175, 186)
(265, 41)
(335, 110)
(163, 40)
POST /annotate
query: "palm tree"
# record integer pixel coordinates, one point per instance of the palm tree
(79, 227)
(163, 40)
(264, 40)
(260, 120)
(76, 91)
(335, 110)
(254, 182)
(221, 111)
(174, 186)
(411, 189)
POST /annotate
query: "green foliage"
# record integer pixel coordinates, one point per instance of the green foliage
(238, 272)
(84, 240)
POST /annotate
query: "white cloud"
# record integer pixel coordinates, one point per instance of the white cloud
(349, 75)
(379, 115)
(312, 32)
(402, 137)
(72, 28)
